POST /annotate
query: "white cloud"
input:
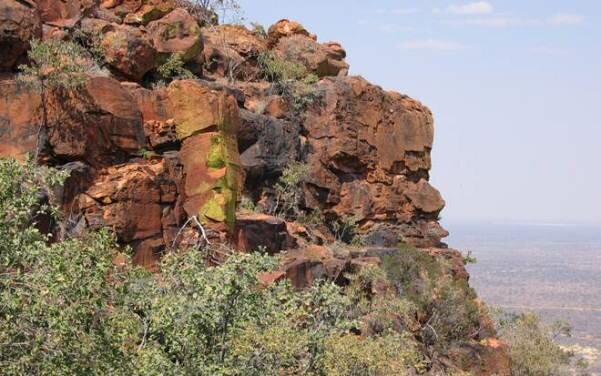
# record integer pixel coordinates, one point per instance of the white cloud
(479, 7)
(431, 44)
(504, 21)
(397, 11)
(565, 19)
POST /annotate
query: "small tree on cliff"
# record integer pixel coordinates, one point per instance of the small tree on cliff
(207, 12)
(54, 64)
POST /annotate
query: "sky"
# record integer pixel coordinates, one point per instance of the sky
(514, 85)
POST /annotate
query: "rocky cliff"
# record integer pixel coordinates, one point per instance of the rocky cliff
(165, 161)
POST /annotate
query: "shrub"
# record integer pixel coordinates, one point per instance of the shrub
(207, 12)
(90, 42)
(373, 356)
(290, 79)
(26, 194)
(258, 30)
(532, 345)
(452, 313)
(382, 310)
(173, 69)
(78, 307)
(346, 230)
(288, 190)
(54, 64)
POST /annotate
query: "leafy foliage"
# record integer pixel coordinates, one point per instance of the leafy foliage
(290, 79)
(25, 194)
(452, 313)
(346, 230)
(288, 190)
(378, 356)
(208, 11)
(55, 64)
(79, 307)
(532, 345)
(258, 30)
(173, 69)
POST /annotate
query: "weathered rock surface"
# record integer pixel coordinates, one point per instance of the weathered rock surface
(369, 156)
(286, 28)
(207, 123)
(99, 123)
(20, 120)
(63, 13)
(267, 145)
(232, 51)
(259, 231)
(135, 200)
(321, 59)
(128, 50)
(19, 24)
(177, 32)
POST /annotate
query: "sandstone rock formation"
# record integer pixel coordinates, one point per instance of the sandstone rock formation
(19, 23)
(177, 32)
(147, 157)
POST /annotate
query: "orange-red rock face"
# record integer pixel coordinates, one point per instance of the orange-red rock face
(19, 23)
(368, 151)
(369, 158)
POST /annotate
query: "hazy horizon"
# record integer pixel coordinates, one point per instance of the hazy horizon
(513, 86)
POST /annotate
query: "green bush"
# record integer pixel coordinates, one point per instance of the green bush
(79, 307)
(258, 30)
(393, 354)
(346, 230)
(55, 64)
(173, 69)
(533, 347)
(289, 191)
(290, 79)
(449, 304)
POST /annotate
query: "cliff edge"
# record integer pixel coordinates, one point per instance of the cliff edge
(187, 133)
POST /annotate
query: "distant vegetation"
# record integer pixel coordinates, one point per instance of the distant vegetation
(533, 347)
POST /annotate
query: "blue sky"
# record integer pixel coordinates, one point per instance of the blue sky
(515, 87)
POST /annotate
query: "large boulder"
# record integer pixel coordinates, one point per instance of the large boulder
(19, 24)
(232, 51)
(148, 12)
(268, 145)
(306, 266)
(286, 28)
(177, 32)
(320, 59)
(369, 156)
(121, 8)
(261, 232)
(98, 123)
(63, 13)
(128, 50)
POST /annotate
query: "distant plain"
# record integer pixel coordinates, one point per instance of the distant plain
(553, 270)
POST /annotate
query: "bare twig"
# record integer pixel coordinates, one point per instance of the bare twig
(197, 222)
